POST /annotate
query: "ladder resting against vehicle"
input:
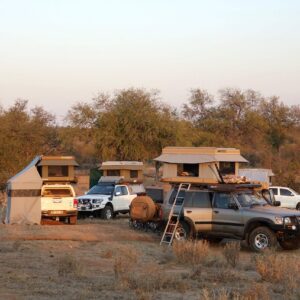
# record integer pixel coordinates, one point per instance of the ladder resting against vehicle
(174, 215)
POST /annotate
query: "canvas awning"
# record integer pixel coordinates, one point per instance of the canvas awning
(58, 162)
(122, 165)
(199, 158)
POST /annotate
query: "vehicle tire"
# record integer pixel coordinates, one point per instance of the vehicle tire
(107, 213)
(183, 232)
(73, 220)
(290, 244)
(298, 206)
(262, 238)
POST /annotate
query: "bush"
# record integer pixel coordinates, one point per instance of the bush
(68, 265)
(278, 269)
(231, 252)
(191, 252)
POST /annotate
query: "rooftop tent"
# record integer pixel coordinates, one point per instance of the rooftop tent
(23, 196)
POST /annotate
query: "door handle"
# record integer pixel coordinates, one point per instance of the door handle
(216, 211)
(188, 211)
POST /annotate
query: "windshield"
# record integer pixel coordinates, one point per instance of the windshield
(101, 190)
(249, 199)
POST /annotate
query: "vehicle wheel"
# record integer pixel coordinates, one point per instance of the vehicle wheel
(298, 206)
(290, 244)
(107, 213)
(262, 238)
(183, 232)
(73, 220)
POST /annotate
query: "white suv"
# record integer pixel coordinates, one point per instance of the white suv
(287, 197)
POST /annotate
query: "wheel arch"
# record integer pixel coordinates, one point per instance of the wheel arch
(256, 222)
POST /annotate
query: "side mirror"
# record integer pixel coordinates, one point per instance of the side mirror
(277, 203)
(233, 206)
(117, 193)
(85, 192)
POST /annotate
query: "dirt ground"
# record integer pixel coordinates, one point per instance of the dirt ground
(107, 260)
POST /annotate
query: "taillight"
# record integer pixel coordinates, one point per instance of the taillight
(75, 203)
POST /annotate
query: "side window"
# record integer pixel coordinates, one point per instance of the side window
(124, 190)
(198, 199)
(285, 192)
(222, 200)
(118, 190)
(275, 191)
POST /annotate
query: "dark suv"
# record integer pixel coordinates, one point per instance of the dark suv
(233, 211)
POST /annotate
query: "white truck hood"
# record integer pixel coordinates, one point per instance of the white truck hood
(94, 196)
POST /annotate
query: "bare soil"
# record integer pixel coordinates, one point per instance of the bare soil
(107, 260)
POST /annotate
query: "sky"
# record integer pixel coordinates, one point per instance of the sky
(56, 53)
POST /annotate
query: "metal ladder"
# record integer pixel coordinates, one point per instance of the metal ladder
(174, 216)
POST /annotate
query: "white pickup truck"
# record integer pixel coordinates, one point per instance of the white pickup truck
(287, 197)
(108, 198)
(58, 203)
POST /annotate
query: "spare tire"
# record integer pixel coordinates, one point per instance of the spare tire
(142, 208)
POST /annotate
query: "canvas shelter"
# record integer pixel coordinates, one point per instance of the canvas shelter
(24, 196)
(131, 171)
(199, 163)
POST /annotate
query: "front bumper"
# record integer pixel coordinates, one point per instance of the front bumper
(287, 230)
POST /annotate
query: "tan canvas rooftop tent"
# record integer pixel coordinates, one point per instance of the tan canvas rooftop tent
(24, 189)
(131, 171)
(199, 163)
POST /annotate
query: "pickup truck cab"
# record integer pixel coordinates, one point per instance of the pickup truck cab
(233, 211)
(287, 197)
(58, 203)
(108, 198)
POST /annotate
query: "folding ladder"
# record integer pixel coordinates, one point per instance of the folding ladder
(174, 215)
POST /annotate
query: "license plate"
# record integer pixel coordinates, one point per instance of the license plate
(83, 208)
(57, 212)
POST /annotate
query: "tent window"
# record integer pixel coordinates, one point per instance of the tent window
(113, 172)
(58, 171)
(188, 170)
(227, 168)
(133, 174)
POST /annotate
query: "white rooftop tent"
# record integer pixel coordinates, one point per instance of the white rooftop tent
(24, 196)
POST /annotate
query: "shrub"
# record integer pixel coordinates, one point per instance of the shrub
(276, 268)
(68, 265)
(231, 252)
(191, 252)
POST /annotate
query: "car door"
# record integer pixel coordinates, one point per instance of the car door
(121, 198)
(226, 215)
(198, 209)
(287, 198)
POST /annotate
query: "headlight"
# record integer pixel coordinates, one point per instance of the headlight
(287, 220)
(278, 220)
(97, 201)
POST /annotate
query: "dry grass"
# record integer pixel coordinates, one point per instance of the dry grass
(231, 252)
(281, 270)
(191, 252)
(153, 278)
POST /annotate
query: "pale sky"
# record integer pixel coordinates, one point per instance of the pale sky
(57, 52)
